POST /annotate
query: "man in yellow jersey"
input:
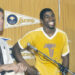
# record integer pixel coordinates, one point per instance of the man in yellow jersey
(49, 40)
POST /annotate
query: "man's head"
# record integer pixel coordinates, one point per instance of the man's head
(47, 18)
(1, 20)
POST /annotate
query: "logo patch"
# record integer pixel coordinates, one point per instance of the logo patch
(12, 19)
(51, 48)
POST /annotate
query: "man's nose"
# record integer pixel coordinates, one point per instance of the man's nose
(51, 18)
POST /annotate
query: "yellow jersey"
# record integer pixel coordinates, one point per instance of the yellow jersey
(54, 47)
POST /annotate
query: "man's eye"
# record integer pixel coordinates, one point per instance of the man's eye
(52, 15)
(46, 16)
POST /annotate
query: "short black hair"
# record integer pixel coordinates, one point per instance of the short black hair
(44, 11)
(2, 10)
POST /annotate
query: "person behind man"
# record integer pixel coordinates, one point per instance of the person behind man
(6, 62)
(49, 40)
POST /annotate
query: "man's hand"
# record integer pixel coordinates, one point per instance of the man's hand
(28, 69)
(65, 62)
(13, 67)
(10, 67)
(22, 68)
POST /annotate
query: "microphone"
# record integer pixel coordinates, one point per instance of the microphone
(61, 67)
(35, 49)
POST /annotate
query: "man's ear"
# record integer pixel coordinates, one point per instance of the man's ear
(41, 21)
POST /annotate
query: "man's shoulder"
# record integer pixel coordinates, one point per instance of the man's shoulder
(61, 31)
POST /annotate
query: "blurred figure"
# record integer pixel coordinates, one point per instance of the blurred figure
(6, 62)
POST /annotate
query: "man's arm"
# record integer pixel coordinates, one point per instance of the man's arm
(66, 61)
(17, 54)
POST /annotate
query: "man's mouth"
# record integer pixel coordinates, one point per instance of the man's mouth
(51, 23)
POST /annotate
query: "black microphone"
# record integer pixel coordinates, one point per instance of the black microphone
(61, 67)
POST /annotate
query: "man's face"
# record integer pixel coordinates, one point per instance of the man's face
(49, 20)
(1, 21)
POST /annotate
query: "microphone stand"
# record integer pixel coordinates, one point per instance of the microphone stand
(61, 67)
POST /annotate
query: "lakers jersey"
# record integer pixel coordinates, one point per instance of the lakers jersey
(54, 47)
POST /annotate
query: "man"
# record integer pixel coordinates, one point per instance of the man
(49, 40)
(6, 62)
